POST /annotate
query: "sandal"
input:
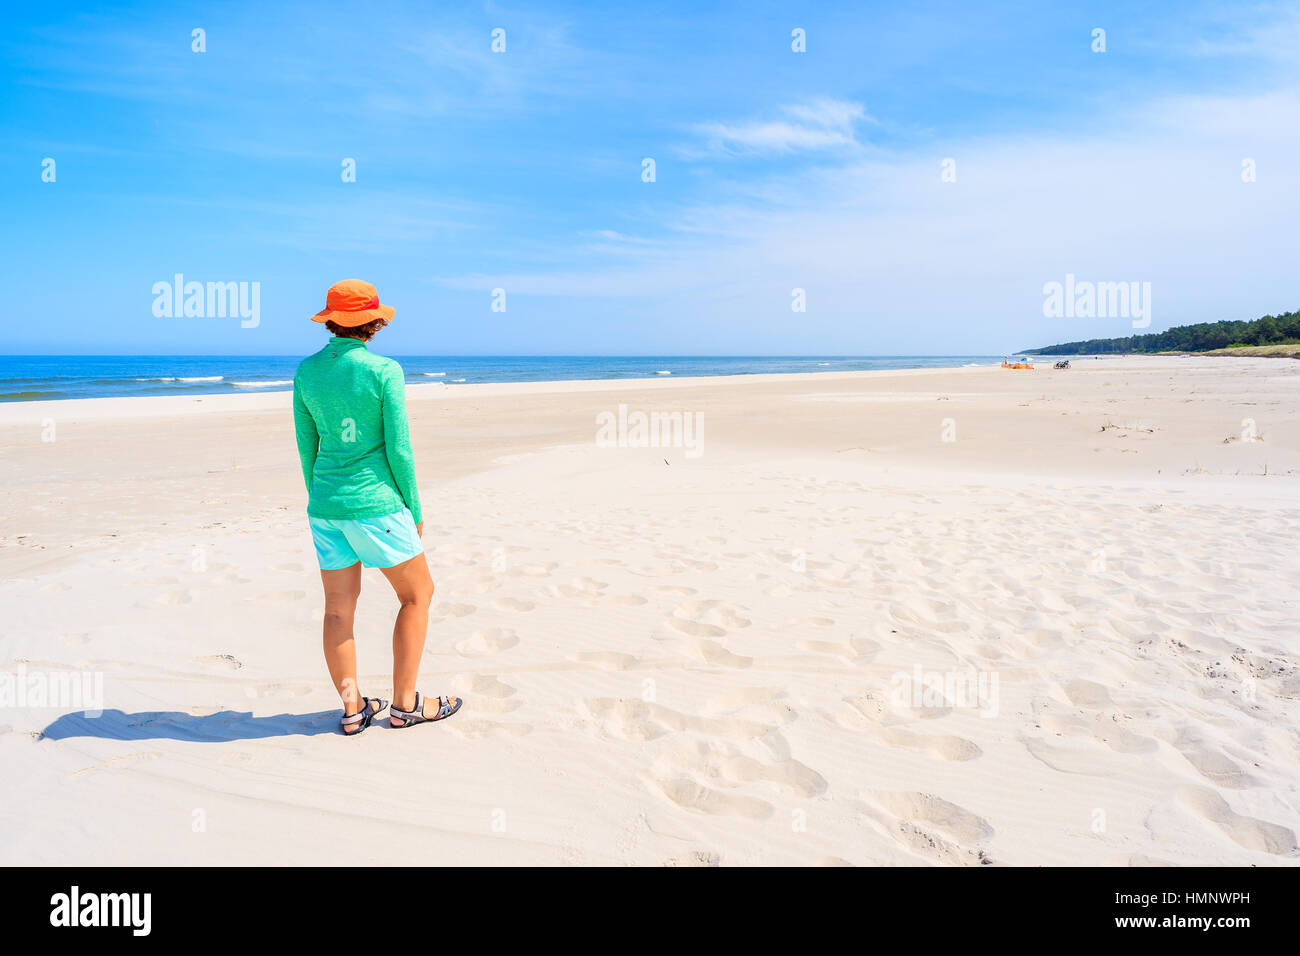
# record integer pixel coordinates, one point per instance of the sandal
(415, 716)
(363, 716)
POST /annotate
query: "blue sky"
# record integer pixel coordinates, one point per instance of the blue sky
(521, 170)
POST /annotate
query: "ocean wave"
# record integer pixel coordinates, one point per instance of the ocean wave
(177, 378)
(663, 372)
(27, 396)
(433, 374)
(458, 380)
(274, 384)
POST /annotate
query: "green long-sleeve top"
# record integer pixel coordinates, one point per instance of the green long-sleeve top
(349, 414)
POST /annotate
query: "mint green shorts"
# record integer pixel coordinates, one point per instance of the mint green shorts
(376, 542)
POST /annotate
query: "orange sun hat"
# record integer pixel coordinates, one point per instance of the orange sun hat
(351, 303)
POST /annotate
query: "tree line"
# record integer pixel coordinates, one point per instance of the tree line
(1202, 337)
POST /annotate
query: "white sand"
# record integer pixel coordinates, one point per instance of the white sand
(682, 660)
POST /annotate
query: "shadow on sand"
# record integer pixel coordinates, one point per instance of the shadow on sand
(174, 725)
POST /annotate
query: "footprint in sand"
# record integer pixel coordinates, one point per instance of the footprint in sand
(454, 610)
(943, 746)
(152, 583)
(707, 618)
(226, 580)
(694, 628)
(858, 649)
(863, 711)
(794, 776)
(279, 597)
(698, 565)
(479, 585)
(1133, 860)
(1074, 756)
(490, 640)
(718, 760)
(694, 858)
(278, 690)
(611, 562)
(1088, 694)
(170, 599)
(722, 613)
(629, 718)
(578, 587)
(1098, 726)
(733, 700)
(1210, 762)
(241, 758)
(473, 728)
(690, 794)
(224, 661)
(1217, 767)
(1245, 831)
(649, 571)
(621, 600)
(513, 604)
(711, 652)
(75, 638)
(607, 660)
(120, 762)
(932, 827)
(290, 567)
(946, 620)
(485, 685)
(491, 696)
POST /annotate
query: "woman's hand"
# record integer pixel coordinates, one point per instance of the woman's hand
(419, 529)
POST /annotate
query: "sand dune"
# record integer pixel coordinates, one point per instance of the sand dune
(1068, 635)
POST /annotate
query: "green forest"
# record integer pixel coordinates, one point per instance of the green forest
(1202, 337)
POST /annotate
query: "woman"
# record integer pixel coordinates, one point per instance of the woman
(349, 412)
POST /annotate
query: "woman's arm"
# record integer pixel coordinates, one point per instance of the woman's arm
(397, 439)
(304, 429)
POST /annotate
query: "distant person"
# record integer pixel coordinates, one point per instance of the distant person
(349, 413)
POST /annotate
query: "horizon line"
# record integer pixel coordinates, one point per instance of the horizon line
(570, 355)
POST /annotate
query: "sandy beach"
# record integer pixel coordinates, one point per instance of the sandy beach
(956, 617)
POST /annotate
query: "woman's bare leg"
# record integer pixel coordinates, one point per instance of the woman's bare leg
(342, 588)
(414, 587)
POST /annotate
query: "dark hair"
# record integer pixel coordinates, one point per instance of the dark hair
(363, 332)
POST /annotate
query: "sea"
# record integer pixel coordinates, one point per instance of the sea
(30, 378)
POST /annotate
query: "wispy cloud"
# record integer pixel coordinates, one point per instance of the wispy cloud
(775, 170)
(816, 125)
(880, 238)
(1267, 31)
